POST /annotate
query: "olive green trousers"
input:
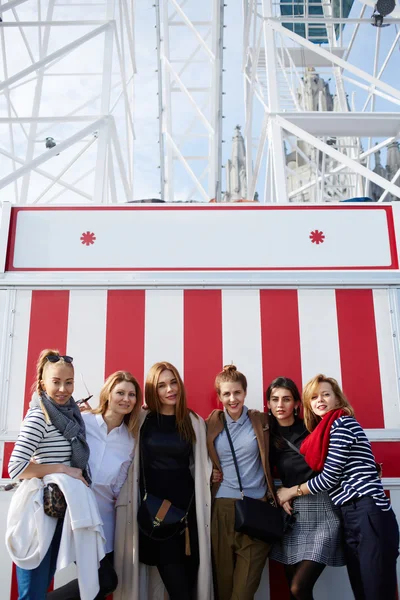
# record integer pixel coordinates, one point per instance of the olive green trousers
(238, 560)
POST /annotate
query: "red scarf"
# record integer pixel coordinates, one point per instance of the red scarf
(315, 446)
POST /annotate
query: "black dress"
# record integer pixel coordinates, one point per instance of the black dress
(166, 459)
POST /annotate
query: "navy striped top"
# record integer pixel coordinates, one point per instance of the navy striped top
(349, 471)
(40, 440)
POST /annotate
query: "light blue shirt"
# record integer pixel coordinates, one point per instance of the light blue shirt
(248, 458)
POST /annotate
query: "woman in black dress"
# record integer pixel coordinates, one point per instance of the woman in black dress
(313, 538)
(167, 472)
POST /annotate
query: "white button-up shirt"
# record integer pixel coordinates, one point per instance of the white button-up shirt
(110, 457)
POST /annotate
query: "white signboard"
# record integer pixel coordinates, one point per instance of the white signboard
(197, 238)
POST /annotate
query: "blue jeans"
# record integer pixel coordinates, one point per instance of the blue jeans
(33, 584)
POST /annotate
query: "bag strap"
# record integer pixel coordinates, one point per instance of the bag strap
(234, 455)
(293, 447)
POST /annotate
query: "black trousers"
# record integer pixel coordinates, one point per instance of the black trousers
(180, 579)
(371, 547)
(108, 582)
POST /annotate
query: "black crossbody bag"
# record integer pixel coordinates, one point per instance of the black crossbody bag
(256, 518)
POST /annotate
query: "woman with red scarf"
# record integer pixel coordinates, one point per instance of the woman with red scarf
(340, 452)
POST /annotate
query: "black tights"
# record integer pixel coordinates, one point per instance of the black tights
(179, 579)
(302, 577)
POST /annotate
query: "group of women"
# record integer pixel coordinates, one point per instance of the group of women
(151, 461)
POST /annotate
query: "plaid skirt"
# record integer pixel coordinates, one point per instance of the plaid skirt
(315, 533)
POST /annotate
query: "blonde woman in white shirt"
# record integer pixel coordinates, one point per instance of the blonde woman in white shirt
(111, 429)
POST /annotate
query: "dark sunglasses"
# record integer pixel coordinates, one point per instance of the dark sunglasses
(54, 358)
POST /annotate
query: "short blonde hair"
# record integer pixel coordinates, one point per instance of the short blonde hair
(311, 420)
(131, 420)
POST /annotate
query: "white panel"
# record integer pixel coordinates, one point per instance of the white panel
(319, 339)
(164, 328)
(319, 237)
(241, 339)
(263, 592)
(86, 339)
(5, 560)
(19, 353)
(387, 364)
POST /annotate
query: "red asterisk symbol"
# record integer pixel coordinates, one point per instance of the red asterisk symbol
(88, 238)
(317, 237)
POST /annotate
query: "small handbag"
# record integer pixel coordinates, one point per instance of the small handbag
(256, 518)
(158, 518)
(54, 503)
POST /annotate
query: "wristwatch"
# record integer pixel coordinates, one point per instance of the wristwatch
(299, 490)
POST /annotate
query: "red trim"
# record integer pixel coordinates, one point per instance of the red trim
(48, 329)
(387, 453)
(14, 584)
(202, 347)
(125, 332)
(280, 336)
(359, 355)
(388, 209)
(278, 586)
(8, 448)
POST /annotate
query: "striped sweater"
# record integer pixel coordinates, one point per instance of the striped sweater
(39, 440)
(349, 471)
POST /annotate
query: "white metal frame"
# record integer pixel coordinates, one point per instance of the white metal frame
(190, 98)
(94, 134)
(272, 78)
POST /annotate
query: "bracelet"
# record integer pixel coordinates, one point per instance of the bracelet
(299, 490)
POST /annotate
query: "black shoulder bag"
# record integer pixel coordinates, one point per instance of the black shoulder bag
(257, 518)
(158, 518)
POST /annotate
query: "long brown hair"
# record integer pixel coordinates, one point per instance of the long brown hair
(182, 412)
(230, 374)
(311, 420)
(42, 362)
(131, 420)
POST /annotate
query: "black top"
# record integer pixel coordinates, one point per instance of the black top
(291, 466)
(166, 459)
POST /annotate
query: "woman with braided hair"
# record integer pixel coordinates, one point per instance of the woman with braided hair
(51, 440)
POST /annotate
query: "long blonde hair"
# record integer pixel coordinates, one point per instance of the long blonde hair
(182, 412)
(131, 420)
(311, 420)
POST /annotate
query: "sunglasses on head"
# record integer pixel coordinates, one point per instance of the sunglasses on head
(54, 358)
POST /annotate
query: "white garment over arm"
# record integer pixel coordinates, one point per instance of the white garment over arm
(110, 458)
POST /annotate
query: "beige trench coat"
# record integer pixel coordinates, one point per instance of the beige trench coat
(141, 582)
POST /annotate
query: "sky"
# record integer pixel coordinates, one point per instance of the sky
(62, 93)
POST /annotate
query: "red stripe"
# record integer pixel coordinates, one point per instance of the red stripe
(8, 448)
(14, 584)
(125, 333)
(359, 355)
(280, 335)
(202, 347)
(48, 329)
(278, 586)
(387, 453)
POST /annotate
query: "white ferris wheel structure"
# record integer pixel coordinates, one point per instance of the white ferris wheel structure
(321, 98)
